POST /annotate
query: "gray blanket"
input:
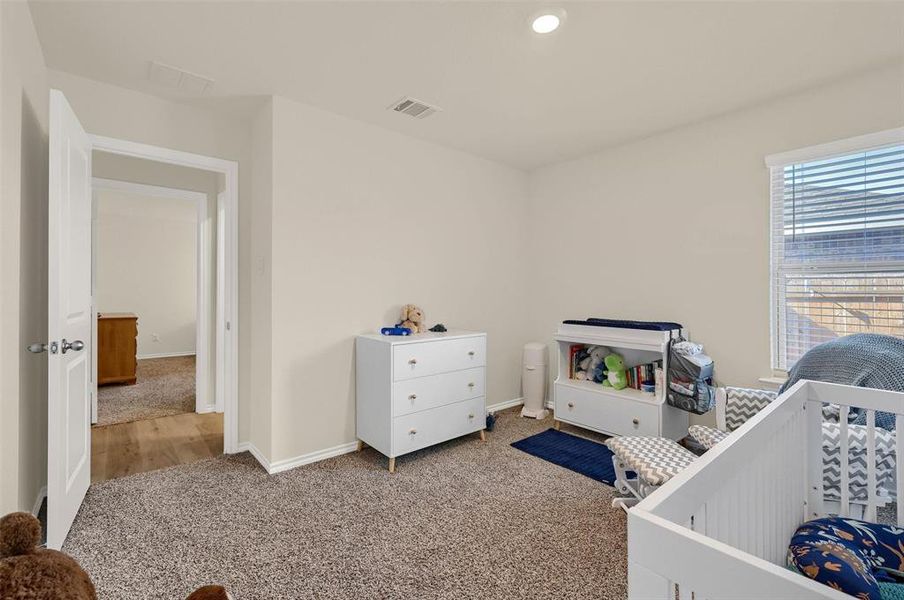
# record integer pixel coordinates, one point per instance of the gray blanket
(862, 360)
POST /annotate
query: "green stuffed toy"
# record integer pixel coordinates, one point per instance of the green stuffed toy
(616, 378)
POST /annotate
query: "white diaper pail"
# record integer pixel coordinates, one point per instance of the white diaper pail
(533, 381)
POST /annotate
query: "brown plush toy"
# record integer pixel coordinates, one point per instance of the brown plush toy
(413, 319)
(31, 573)
(210, 592)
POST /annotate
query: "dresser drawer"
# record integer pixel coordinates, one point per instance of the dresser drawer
(606, 412)
(423, 393)
(421, 429)
(440, 356)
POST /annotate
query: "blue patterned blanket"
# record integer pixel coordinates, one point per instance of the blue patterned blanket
(862, 360)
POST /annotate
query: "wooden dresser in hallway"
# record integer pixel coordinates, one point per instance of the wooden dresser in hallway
(117, 348)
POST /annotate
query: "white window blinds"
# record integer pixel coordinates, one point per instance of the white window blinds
(837, 244)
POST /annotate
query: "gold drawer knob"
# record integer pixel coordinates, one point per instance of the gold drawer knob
(412, 361)
(471, 416)
(412, 431)
(636, 422)
(470, 353)
(571, 405)
(471, 384)
(412, 397)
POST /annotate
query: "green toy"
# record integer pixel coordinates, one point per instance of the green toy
(616, 377)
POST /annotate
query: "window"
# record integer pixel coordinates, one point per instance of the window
(837, 243)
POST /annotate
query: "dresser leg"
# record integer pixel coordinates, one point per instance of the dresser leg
(483, 435)
(360, 446)
(392, 465)
(557, 425)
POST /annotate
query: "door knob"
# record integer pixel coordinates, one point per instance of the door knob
(73, 345)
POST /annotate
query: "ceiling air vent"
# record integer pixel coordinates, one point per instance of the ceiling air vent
(414, 108)
(181, 79)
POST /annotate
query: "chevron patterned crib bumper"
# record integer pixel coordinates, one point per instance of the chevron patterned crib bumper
(857, 457)
(831, 458)
(741, 404)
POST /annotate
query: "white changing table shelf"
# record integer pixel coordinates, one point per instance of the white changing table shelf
(605, 410)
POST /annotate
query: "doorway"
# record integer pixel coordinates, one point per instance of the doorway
(72, 310)
(223, 388)
(154, 289)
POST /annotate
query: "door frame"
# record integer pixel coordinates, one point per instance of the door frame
(203, 400)
(227, 322)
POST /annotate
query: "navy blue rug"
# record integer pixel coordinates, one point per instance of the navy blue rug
(580, 455)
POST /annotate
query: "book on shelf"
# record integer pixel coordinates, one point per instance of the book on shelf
(573, 360)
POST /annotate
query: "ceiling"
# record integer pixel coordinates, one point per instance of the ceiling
(614, 71)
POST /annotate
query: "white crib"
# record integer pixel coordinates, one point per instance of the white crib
(721, 528)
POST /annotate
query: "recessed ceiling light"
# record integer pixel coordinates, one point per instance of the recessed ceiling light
(546, 23)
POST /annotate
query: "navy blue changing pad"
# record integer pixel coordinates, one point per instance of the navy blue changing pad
(645, 325)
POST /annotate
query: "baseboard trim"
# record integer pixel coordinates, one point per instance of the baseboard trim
(306, 459)
(256, 453)
(206, 409)
(166, 355)
(36, 507)
(290, 463)
(504, 405)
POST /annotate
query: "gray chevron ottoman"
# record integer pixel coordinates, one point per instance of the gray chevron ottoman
(653, 460)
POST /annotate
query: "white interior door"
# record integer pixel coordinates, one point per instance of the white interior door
(69, 324)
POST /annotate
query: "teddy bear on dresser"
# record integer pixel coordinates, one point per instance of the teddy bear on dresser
(413, 319)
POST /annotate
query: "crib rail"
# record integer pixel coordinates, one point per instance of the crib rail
(721, 528)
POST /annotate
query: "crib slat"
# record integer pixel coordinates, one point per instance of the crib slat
(813, 449)
(899, 466)
(871, 465)
(844, 452)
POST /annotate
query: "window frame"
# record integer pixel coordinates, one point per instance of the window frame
(852, 145)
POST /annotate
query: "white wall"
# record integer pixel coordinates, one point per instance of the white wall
(261, 367)
(365, 220)
(23, 259)
(676, 227)
(146, 262)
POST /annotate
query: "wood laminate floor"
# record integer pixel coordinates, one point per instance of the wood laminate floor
(126, 448)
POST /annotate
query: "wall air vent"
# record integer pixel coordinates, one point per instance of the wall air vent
(414, 108)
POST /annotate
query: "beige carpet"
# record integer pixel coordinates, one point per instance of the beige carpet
(462, 520)
(166, 386)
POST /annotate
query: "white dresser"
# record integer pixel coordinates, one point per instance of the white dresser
(419, 390)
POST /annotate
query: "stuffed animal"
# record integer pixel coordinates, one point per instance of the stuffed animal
(31, 573)
(616, 377)
(210, 592)
(596, 371)
(413, 319)
(28, 572)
